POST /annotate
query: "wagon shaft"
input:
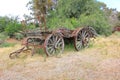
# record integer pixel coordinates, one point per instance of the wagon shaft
(17, 52)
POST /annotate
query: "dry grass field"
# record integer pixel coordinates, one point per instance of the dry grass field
(101, 61)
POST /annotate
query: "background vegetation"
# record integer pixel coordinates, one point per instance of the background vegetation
(66, 13)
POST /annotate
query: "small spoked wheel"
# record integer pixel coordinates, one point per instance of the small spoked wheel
(54, 45)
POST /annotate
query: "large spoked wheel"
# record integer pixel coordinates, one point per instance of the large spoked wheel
(78, 41)
(54, 45)
(81, 40)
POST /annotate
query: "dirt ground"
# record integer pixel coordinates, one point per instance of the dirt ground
(101, 61)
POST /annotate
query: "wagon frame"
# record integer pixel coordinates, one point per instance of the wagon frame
(53, 41)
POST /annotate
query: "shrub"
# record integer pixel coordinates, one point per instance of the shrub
(2, 37)
(19, 36)
(3, 22)
(12, 28)
(6, 44)
(79, 13)
(98, 22)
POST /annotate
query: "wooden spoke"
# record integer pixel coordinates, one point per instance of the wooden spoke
(54, 44)
(85, 38)
(81, 40)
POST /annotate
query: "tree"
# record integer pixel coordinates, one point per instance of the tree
(73, 13)
(13, 26)
(3, 22)
(76, 13)
(119, 16)
(40, 9)
(40, 6)
(74, 8)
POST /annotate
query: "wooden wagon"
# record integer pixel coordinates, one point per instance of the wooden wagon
(53, 41)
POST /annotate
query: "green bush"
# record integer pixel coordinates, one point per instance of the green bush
(98, 22)
(79, 13)
(3, 22)
(12, 28)
(3, 36)
(19, 36)
(6, 44)
(30, 26)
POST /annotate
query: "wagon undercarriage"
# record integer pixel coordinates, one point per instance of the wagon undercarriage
(53, 41)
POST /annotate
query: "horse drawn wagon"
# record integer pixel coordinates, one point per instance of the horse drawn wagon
(53, 41)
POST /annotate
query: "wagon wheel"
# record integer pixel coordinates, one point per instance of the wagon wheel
(82, 39)
(85, 38)
(78, 41)
(53, 45)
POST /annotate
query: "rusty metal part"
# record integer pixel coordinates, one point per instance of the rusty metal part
(16, 53)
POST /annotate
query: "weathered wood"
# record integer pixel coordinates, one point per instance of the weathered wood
(54, 44)
(83, 36)
(53, 41)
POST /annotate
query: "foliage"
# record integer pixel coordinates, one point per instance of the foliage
(30, 26)
(67, 13)
(6, 44)
(98, 22)
(74, 8)
(12, 27)
(57, 23)
(3, 36)
(111, 14)
(39, 6)
(19, 36)
(79, 13)
(3, 23)
(119, 16)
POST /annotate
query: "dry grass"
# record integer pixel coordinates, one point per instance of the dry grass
(99, 62)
